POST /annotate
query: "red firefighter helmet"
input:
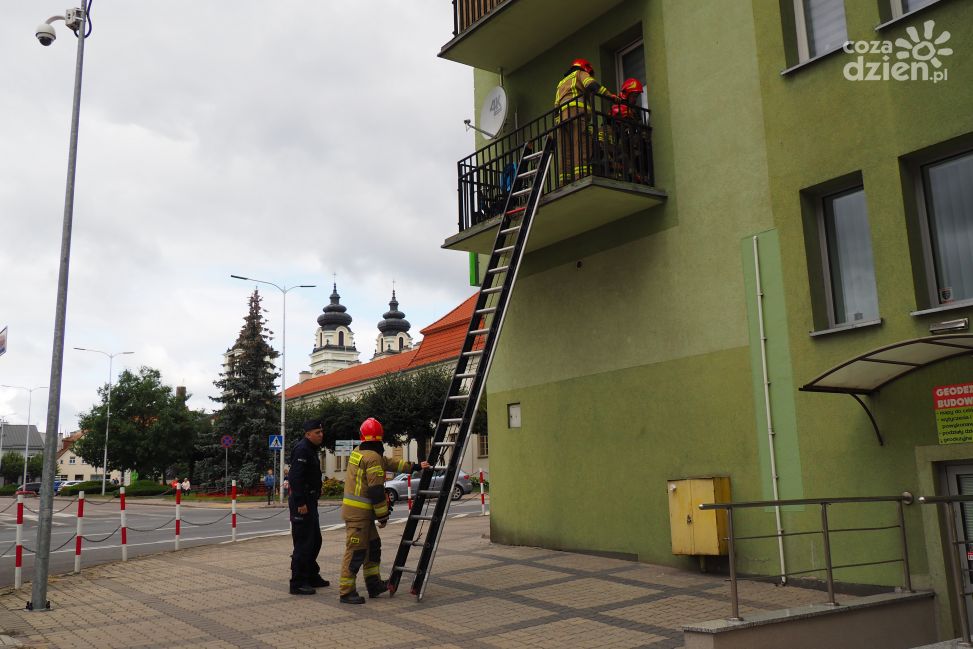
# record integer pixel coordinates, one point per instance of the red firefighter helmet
(583, 64)
(631, 87)
(371, 430)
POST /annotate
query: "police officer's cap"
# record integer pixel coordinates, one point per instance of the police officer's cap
(312, 424)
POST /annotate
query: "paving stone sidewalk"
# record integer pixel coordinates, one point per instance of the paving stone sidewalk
(481, 595)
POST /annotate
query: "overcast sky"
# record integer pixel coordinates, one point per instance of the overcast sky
(283, 140)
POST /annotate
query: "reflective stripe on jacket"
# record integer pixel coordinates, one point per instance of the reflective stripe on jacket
(573, 87)
(364, 497)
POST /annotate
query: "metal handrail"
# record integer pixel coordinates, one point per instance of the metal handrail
(954, 565)
(594, 142)
(825, 531)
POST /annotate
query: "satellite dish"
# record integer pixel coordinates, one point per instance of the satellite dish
(493, 112)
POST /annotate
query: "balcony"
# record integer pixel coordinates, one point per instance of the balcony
(505, 34)
(601, 172)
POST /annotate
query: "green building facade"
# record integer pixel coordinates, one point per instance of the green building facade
(784, 135)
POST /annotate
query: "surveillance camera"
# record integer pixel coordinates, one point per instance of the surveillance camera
(45, 34)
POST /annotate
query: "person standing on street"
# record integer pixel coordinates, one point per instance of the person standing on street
(305, 483)
(270, 482)
(363, 506)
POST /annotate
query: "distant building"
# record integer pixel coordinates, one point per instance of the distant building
(71, 466)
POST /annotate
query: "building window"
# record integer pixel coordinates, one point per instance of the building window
(340, 462)
(72, 459)
(78, 476)
(820, 26)
(630, 64)
(341, 339)
(482, 445)
(847, 258)
(513, 415)
(902, 7)
(947, 188)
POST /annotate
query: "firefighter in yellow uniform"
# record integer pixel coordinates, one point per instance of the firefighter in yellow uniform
(572, 101)
(363, 506)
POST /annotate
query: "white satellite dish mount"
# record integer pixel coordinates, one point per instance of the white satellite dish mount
(493, 114)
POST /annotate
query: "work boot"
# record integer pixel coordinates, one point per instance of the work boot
(302, 590)
(352, 598)
(317, 582)
(377, 588)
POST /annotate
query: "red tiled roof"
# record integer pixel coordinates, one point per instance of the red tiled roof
(442, 340)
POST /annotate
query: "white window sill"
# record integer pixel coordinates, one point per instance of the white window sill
(846, 327)
(812, 60)
(962, 304)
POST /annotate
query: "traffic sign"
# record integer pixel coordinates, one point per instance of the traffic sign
(344, 447)
(276, 442)
(226, 441)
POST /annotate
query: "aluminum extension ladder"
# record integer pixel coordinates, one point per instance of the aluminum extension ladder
(424, 525)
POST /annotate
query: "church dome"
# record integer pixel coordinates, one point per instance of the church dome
(334, 314)
(394, 320)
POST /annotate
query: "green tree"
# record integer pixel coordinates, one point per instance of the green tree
(13, 467)
(150, 428)
(250, 407)
(35, 466)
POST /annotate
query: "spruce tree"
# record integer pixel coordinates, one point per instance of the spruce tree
(251, 410)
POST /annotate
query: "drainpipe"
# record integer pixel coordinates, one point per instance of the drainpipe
(775, 479)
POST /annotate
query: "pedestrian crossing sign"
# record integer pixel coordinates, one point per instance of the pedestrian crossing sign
(276, 442)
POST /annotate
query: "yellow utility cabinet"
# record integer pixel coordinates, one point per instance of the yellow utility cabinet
(694, 531)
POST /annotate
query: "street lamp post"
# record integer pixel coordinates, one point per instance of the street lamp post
(283, 368)
(111, 357)
(30, 394)
(77, 20)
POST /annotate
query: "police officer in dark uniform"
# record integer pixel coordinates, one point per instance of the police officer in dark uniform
(305, 488)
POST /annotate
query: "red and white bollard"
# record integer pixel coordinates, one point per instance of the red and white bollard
(178, 517)
(121, 495)
(19, 561)
(482, 496)
(77, 534)
(408, 488)
(233, 512)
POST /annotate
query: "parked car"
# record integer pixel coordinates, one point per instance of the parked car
(29, 487)
(397, 487)
(65, 483)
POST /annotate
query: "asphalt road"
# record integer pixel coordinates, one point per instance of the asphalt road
(151, 529)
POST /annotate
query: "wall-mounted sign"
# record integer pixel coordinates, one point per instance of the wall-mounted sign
(953, 405)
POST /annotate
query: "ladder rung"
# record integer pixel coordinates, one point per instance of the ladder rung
(515, 210)
(459, 397)
(404, 569)
(453, 420)
(422, 518)
(440, 467)
(498, 269)
(489, 309)
(413, 542)
(479, 332)
(531, 156)
(504, 249)
(444, 443)
(492, 289)
(510, 229)
(478, 352)
(521, 192)
(430, 492)
(467, 375)
(528, 173)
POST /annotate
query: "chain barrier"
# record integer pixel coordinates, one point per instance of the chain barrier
(70, 502)
(152, 529)
(105, 538)
(188, 522)
(10, 547)
(12, 503)
(262, 518)
(89, 501)
(33, 511)
(53, 550)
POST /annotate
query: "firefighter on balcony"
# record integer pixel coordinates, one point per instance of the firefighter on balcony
(629, 134)
(573, 103)
(363, 506)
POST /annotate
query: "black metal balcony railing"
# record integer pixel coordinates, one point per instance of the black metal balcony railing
(467, 12)
(599, 142)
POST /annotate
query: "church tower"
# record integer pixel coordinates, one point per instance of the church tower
(393, 330)
(334, 343)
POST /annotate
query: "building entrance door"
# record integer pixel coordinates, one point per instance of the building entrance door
(959, 482)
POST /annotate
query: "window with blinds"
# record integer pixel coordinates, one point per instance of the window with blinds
(850, 265)
(948, 189)
(821, 26)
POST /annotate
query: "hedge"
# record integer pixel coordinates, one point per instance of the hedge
(332, 488)
(147, 488)
(8, 489)
(90, 488)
